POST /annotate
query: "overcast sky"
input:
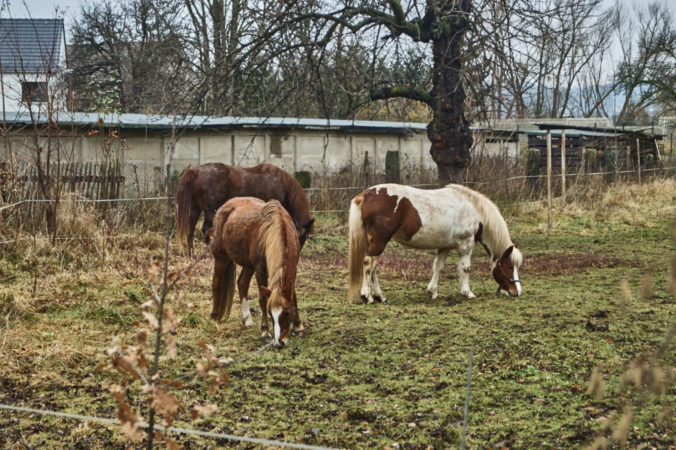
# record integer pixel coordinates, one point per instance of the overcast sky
(69, 9)
(42, 9)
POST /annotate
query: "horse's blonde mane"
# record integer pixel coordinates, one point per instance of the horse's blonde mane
(272, 239)
(495, 234)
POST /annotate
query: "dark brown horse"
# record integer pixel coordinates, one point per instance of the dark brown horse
(207, 187)
(261, 238)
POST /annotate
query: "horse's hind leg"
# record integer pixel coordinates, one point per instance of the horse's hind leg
(370, 289)
(194, 217)
(437, 265)
(367, 280)
(243, 283)
(464, 255)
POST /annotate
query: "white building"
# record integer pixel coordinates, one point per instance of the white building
(32, 58)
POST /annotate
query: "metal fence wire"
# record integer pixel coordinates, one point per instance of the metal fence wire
(134, 194)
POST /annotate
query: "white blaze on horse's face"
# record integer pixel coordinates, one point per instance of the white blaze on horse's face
(517, 282)
(275, 324)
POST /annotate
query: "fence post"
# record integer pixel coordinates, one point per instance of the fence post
(366, 170)
(563, 167)
(549, 179)
(638, 159)
(467, 394)
(392, 171)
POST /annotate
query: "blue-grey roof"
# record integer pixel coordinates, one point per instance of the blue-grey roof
(203, 122)
(30, 45)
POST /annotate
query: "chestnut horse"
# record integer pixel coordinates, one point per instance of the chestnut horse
(205, 188)
(453, 217)
(261, 238)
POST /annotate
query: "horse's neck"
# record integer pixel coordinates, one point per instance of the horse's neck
(495, 235)
(280, 259)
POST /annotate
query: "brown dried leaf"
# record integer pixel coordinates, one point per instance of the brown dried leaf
(202, 410)
(621, 432)
(596, 385)
(171, 346)
(132, 431)
(173, 275)
(117, 392)
(147, 305)
(155, 272)
(171, 444)
(165, 403)
(142, 337)
(126, 415)
(123, 366)
(172, 383)
(151, 320)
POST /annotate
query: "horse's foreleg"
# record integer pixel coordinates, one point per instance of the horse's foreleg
(375, 286)
(464, 255)
(263, 302)
(243, 286)
(297, 323)
(437, 265)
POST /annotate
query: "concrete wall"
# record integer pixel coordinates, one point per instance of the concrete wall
(144, 151)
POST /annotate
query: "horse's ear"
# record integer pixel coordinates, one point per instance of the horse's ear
(508, 252)
(266, 291)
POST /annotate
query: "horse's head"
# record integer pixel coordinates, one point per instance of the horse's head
(306, 231)
(506, 271)
(282, 313)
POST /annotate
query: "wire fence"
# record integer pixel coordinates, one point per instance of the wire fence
(142, 205)
(178, 430)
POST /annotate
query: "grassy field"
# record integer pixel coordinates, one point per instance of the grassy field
(385, 375)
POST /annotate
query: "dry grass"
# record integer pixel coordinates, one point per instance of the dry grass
(363, 376)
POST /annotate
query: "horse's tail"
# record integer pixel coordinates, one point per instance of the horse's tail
(223, 287)
(358, 246)
(184, 206)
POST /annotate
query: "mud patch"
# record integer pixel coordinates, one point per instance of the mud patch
(417, 265)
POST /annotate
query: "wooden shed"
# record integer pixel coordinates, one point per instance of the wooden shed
(594, 149)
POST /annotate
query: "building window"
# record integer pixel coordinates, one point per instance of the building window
(33, 91)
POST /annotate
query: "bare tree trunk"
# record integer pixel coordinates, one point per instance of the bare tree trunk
(449, 130)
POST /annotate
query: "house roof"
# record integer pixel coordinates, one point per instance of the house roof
(164, 123)
(31, 45)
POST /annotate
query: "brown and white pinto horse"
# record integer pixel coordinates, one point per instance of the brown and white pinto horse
(207, 187)
(453, 217)
(261, 238)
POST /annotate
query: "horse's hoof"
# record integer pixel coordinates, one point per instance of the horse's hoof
(380, 299)
(468, 294)
(265, 336)
(249, 322)
(364, 299)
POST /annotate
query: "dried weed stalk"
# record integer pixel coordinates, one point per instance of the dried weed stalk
(161, 323)
(646, 374)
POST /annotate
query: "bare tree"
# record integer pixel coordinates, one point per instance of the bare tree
(647, 72)
(123, 54)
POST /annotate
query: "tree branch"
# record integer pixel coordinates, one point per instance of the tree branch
(410, 92)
